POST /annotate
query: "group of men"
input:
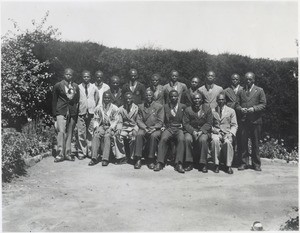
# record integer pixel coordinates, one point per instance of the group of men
(134, 122)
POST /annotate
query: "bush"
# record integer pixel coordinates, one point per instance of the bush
(273, 148)
(292, 224)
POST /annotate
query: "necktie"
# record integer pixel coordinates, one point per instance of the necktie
(221, 112)
(86, 90)
(173, 112)
(248, 92)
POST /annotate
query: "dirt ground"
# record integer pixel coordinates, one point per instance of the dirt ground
(71, 196)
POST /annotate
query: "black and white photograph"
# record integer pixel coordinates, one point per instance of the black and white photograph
(149, 116)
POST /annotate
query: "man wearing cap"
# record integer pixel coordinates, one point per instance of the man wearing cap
(223, 131)
(251, 104)
(89, 98)
(150, 120)
(174, 84)
(158, 90)
(186, 97)
(115, 91)
(210, 90)
(138, 89)
(65, 111)
(197, 122)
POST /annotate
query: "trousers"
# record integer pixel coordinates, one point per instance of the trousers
(85, 134)
(198, 146)
(222, 150)
(150, 141)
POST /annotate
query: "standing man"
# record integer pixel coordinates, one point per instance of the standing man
(210, 90)
(251, 103)
(187, 95)
(232, 91)
(223, 130)
(138, 89)
(150, 120)
(115, 91)
(106, 120)
(197, 121)
(173, 129)
(158, 90)
(65, 111)
(89, 98)
(101, 86)
(174, 84)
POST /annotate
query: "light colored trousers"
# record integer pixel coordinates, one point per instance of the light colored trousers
(222, 150)
(65, 129)
(85, 134)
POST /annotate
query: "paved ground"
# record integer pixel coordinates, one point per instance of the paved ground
(70, 196)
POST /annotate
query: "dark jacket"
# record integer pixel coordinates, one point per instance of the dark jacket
(150, 117)
(138, 94)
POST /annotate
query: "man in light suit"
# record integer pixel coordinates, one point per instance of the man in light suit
(150, 120)
(251, 103)
(158, 90)
(223, 130)
(174, 84)
(210, 90)
(197, 122)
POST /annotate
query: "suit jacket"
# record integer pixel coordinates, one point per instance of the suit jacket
(169, 118)
(153, 116)
(231, 97)
(63, 103)
(106, 116)
(196, 121)
(116, 99)
(210, 96)
(256, 99)
(186, 97)
(158, 94)
(128, 120)
(88, 103)
(227, 123)
(181, 87)
(138, 93)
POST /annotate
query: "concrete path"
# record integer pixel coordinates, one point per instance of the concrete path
(71, 196)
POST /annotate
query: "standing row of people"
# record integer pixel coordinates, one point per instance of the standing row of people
(145, 122)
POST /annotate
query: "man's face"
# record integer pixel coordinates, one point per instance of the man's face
(173, 97)
(68, 74)
(155, 81)
(133, 75)
(174, 76)
(86, 77)
(194, 83)
(210, 78)
(197, 100)
(149, 96)
(115, 83)
(106, 98)
(221, 100)
(99, 77)
(249, 79)
(235, 80)
(128, 99)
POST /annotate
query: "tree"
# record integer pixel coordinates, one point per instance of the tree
(25, 78)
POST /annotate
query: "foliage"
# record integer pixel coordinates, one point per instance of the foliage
(292, 224)
(273, 148)
(25, 78)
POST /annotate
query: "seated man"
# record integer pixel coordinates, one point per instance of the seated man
(105, 123)
(127, 126)
(150, 121)
(197, 122)
(223, 130)
(173, 130)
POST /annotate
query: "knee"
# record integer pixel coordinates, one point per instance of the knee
(188, 139)
(203, 139)
(140, 133)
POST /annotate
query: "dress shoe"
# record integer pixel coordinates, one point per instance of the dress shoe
(216, 170)
(151, 166)
(204, 169)
(104, 163)
(229, 170)
(70, 158)
(242, 167)
(138, 164)
(256, 168)
(189, 167)
(179, 168)
(59, 159)
(121, 161)
(80, 157)
(158, 167)
(93, 162)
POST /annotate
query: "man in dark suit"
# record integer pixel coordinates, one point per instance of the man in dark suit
(186, 97)
(251, 103)
(174, 84)
(197, 122)
(172, 130)
(158, 90)
(232, 91)
(150, 120)
(115, 91)
(65, 110)
(138, 89)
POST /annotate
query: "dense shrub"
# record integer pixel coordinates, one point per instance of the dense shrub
(292, 224)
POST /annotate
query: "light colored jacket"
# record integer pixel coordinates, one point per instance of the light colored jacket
(88, 103)
(227, 123)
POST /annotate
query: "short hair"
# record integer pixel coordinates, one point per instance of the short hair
(108, 93)
(250, 73)
(128, 93)
(156, 75)
(173, 91)
(86, 72)
(149, 90)
(98, 72)
(173, 71)
(235, 74)
(196, 78)
(115, 77)
(68, 69)
(198, 93)
(132, 70)
(221, 93)
(210, 71)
